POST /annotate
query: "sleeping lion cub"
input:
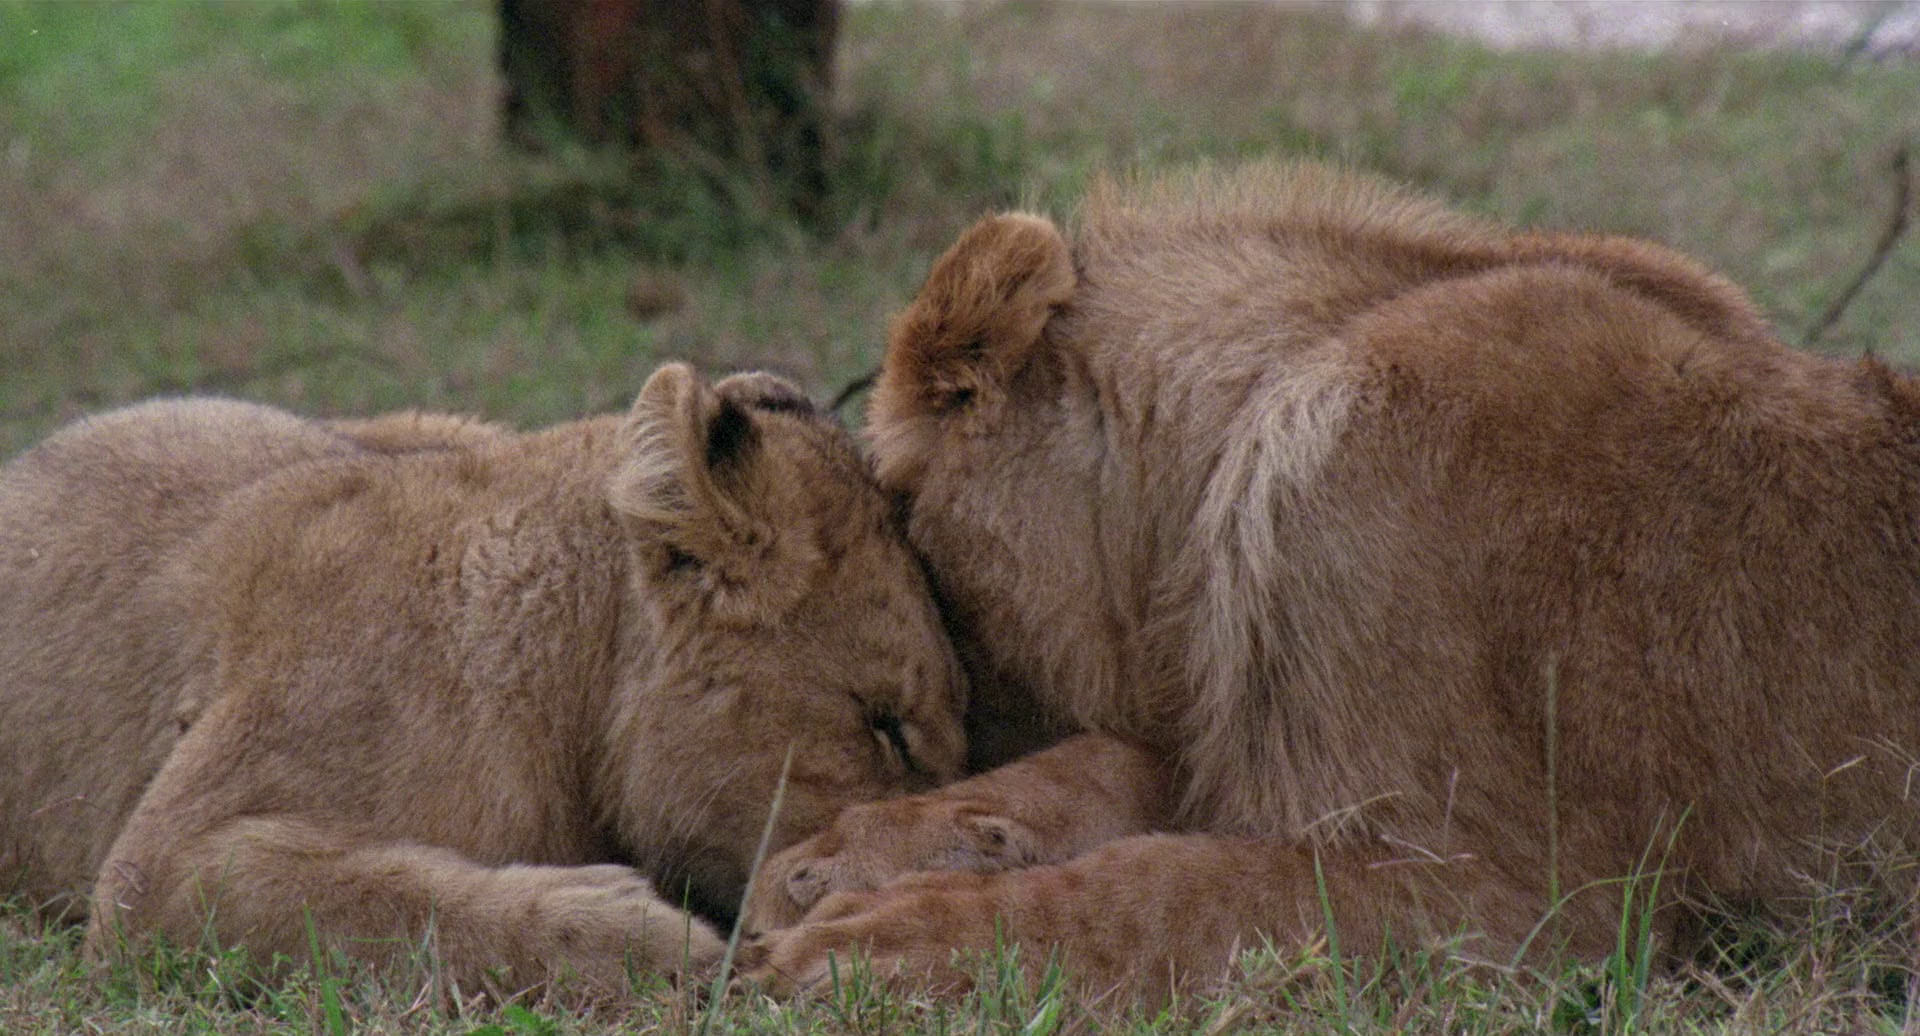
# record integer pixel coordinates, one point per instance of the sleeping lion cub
(422, 683)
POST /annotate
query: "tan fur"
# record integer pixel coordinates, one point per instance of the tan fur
(433, 684)
(1447, 566)
(1048, 807)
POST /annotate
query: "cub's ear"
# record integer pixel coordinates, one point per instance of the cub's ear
(975, 322)
(758, 390)
(690, 449)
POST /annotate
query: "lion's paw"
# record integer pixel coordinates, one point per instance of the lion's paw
(906, 932)
(874, 843)
(612, 913)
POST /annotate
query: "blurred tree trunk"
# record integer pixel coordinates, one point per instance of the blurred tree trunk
(738, 86)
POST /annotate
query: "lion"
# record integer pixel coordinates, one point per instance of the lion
(418, 683)
(1475, 588)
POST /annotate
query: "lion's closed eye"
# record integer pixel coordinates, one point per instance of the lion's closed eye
(891, 733)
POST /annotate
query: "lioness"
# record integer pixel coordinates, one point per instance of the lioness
(1463, 581)
(417, 683)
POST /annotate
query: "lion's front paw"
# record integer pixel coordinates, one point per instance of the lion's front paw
(873, 843)
(906, 932)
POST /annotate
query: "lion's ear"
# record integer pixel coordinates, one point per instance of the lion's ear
(976, 321)
(690, 448)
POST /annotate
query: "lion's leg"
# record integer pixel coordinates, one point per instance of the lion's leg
(1141, 913)
(1046, 808)
(272, 884)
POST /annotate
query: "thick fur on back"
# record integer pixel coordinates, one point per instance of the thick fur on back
(1405, 536)
(421, 677)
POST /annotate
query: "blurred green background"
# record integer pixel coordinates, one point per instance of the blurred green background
(306, 202)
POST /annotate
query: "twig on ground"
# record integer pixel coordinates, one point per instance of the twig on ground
(1889, 236)
(854, 388)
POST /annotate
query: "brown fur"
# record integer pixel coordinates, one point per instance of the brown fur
(1447, 566)
(431, 683)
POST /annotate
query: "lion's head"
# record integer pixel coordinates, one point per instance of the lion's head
(774, 602)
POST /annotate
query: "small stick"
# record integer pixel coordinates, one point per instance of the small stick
(1889, 236)
(746, 895)
(854, 388)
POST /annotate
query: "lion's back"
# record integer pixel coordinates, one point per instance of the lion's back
(1342, 455)
(1499, 459)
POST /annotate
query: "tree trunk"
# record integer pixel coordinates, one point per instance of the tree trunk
(733, 86)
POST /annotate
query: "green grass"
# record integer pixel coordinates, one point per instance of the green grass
(304, 203)
(1839, 962)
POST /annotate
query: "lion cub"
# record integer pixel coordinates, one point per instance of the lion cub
(1417, 581)
(418, 682)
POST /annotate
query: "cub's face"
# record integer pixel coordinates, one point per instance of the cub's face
(779, 610)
